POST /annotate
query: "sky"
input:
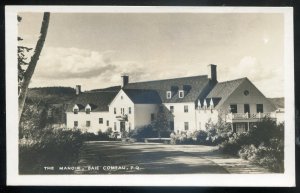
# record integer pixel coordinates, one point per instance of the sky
(95, 49)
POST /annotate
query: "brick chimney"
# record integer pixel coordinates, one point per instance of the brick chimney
(125, 80)
(212, 72)
(78, 89)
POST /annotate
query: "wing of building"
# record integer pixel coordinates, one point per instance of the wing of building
(190, 102)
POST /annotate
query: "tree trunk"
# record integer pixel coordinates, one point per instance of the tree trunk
(32, 64)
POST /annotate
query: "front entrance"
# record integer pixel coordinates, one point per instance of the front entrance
(122, 126)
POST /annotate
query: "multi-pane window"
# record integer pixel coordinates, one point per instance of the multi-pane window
(181, 94)
(152, 117)
(172, 109)
(169, 94)
(233, 108)
(87, 110)
(75, 111)
(129, 110)
(122, 111)
(107, 123)
(115, 110)
(259, 108)
(100, 120)
(186, 126)
(75, 123)
(88, 123)
(186, 108)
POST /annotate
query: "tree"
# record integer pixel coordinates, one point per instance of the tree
(162, 121)
(25, 73)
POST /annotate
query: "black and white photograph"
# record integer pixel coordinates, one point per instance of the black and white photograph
(176, 96)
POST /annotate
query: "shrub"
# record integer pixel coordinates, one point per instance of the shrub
(218, 132)
(142, 132)
(262, 145)
(197, 137)
(271, 157)
(54, 148)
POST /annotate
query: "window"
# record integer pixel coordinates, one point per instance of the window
(115, 110)
(129, 110)
(233, 108)
(181, 94)
(246, 108)
(129, 127)
(107, 123)
(172, 109)
(169, 94)
(122, 111)
(88, 123)
(87, 110)
(186, 126)
(75, 111)
(115, 126)
(246, 92)
(100, 120)
(121, 97)
(259, 108)
(152, 117)
(75, 123)
(186, 108)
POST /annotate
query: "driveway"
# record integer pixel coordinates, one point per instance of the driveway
(149, 158)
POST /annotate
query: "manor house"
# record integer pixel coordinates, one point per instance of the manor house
(190, 102)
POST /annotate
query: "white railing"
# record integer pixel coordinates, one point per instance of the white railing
(241, 116)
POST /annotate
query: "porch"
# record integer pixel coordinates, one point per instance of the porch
(242, 122)
(248, 117)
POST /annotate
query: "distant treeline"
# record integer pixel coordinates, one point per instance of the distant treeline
(51, 94)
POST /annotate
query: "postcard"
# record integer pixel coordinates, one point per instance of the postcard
(150, 96)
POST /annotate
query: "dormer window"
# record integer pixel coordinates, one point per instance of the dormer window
(181, 94)
(75, 109)
(88, 109)
(169, 94)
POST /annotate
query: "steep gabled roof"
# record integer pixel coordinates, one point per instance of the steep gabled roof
(98, 101)
(195, 86)
(141, 96)
(222, 90)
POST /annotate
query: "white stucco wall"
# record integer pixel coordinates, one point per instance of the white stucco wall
(180, 116)
(143, 114)
(205, 116)
(93, 117)
(121, 101)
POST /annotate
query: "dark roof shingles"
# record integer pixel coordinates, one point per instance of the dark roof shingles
(195, 87)
(98, 101)
(223, 90)
(141, 96)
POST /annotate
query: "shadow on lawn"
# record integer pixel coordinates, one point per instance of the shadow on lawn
(149, 159)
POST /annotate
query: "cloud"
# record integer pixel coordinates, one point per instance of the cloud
(268, 78)
(69, 63)
(86, 67)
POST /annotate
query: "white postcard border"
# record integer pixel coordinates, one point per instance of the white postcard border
(13, 178)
